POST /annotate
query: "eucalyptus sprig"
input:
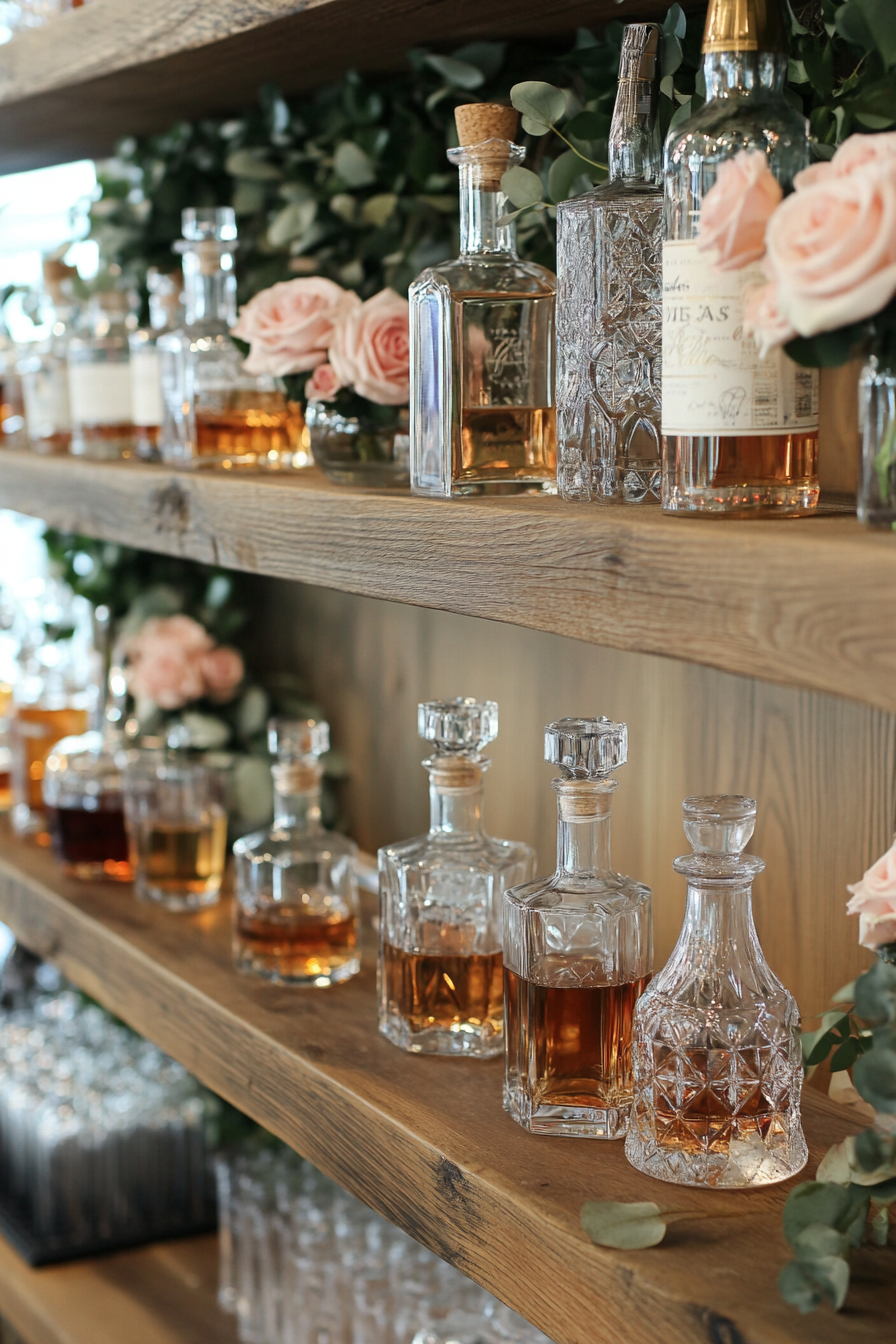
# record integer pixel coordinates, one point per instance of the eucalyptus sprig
(635, 1227)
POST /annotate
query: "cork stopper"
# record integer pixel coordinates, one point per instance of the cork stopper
(486, 131)
(456, 772)
(584, 799)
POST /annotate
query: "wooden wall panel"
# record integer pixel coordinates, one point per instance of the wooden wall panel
(822, 768)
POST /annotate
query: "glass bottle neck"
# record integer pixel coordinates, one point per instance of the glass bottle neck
(455, 796)
(718, 930)
(297, 811)
(209, 288)
(634, 143)
(744, 74)
(583, 827)
(480, 211)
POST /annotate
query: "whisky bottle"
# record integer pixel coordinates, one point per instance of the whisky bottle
(165, 314)
(43, 367)
(609, 302)
(99, 379)
(440, 958)
(482, 339)
(717, 1053)
(296, 907)
(216, 414)
(740, 433)
(578, 953)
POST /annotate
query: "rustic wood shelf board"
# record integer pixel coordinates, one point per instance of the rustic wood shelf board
(124, 67)
(425, 1141)
(811, 603)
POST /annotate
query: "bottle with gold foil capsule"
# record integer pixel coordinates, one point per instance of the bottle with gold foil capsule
(165, 314)
(717, 1048)
(740, 433)
(215, 413)
(482, 338)
(43, 366)
(578, 953)
(440, 900)
(99, 378)
(296, 907)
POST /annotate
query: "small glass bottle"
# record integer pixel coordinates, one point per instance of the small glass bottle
(44, 365)
(215, 413)
(99, 379)
(165, 314)
(12, 415)
(609, 302)
(717, 1054)
(440, 900)
(296, 908)
(740, 433)
(482, 339)
(578, 953)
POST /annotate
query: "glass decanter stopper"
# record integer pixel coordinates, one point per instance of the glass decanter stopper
(740, 433)
(482, 338)
(215, 413)
(578, 952)
(296, 908)
(717, 1054)
(440, 900)
(44, 365)
(165, 314)
(609, 299)
(99, 378)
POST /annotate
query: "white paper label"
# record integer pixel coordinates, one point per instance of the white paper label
(146, 388)
(713, 379)
(100, 393)
(45, 394)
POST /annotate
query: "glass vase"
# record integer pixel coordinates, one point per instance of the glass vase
(370, 448)
(877, 418)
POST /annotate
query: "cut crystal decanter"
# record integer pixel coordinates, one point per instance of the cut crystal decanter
(609, 302)
(717, 1052)
(440, 900)
(296, 908)
(482, 339)
(578, 952)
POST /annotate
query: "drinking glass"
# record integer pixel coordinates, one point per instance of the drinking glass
(177, 830)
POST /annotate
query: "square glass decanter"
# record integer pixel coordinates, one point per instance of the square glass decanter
(482, 339)
(609, 302)
(440, 900)
(296, 907)
(578, 952)
(717, 1054)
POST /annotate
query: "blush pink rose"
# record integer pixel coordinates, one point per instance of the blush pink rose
(763, 320)
(222, 671)
(736, 210)
(371, 351)
(323, 384)
(874, 901)
(831, 248)
(291, 326)
(855, 152)
(165, 661)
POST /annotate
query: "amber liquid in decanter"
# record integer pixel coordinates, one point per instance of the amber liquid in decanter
(510, 439)
(181, 856)
(298, 948)
(263, 425)
(87, 841)
(40, 729)
(444, 992)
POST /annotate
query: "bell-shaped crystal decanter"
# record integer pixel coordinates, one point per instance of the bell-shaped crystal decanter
(296, 908)
(717, 1053)
(578, 952)
(440, 914)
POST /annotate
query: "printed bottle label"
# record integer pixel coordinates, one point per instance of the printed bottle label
(146, 388)
(100, 393)
(714, 381)
(45, 394)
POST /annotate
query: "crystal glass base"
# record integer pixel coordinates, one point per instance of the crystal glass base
(369, 450)
(462, 1039)
(110, 871)
(271, 969)
(743, 501)
(738, 1153)
(179, 900)
(573, 1122)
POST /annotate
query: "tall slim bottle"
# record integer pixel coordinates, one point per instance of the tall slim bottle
(740, 434)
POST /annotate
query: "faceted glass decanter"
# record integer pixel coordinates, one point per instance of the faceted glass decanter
(482, 339)
(578, 952)
(440, 900)
(165, 314)
(740, 433)
(296, 908)
(609, 302)
(717, 1053)
(99, 379)
(215, 413)
(43, 367)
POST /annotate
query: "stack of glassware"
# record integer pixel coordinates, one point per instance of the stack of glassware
(302, 1260)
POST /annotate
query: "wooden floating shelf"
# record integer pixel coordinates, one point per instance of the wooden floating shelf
(124, 67)
(425, 1141)
(811, 603)
(164, 1294)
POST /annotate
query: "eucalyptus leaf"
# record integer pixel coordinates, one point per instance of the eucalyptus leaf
(377, 210)
(671, 54)
(588, 126)
(345, 206)
(627, 1227)
(458, 74)
(878, 15)
(248, 197)
(353, 165)
(837, 1206)
(522, 187)
(542, 105)
(291, 222)
(818, 1240)
(250, 163)
(806, 1284)
(874, 1078)
(876, 994)
(564, 171)
(675, 23)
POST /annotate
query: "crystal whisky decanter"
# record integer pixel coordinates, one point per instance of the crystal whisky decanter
(578, 952)
(440, 900)
(296, 907)
(609, 302)
(482, 339)
(717, 1052)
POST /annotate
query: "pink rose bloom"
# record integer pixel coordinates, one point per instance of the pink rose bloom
(736, 210)
(855, 152)
(763, 320)
(290, 326)
(371, 352)
(831, 248)
(165, 661)
(874, 901)
(323, 384)
(222, 671)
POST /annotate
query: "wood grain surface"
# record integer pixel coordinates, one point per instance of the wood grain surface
(164, 1294)
(810, 603)
(125, 67)
(425, 1141)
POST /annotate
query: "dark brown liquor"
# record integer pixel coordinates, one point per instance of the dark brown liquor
(450, 993)
(91, 844)
(295, 948)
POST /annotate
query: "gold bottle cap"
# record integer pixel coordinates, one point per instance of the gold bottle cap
(745, 25)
